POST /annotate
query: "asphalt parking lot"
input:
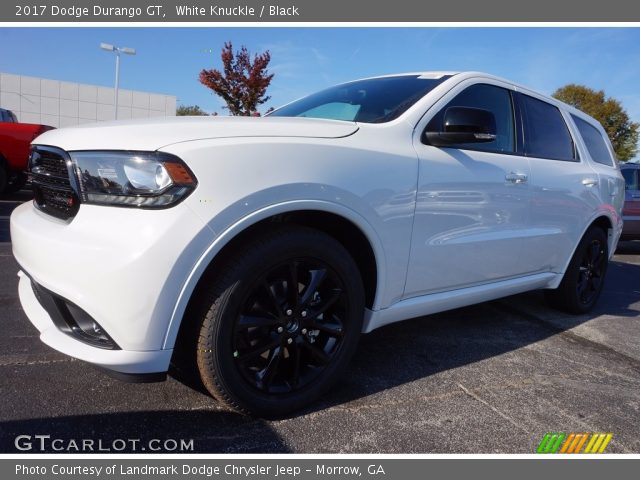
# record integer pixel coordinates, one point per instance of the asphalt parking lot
(492, 378)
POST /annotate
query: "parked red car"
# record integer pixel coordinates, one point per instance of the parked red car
(15, 141)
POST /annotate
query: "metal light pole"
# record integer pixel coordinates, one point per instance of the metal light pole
(117, 50)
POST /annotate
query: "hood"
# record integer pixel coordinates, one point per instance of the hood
(153, 133)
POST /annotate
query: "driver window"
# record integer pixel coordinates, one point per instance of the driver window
(487, 97)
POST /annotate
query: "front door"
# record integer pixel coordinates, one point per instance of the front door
(473, 204)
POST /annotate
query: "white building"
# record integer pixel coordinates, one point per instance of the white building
(62, 104)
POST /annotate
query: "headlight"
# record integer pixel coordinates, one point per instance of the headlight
(132, 179)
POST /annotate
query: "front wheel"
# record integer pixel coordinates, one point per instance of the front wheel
(280, 322)
(583, 281)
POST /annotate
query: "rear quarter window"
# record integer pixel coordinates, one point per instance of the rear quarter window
(593, 139)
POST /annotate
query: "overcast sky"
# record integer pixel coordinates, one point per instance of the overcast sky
(308, 59)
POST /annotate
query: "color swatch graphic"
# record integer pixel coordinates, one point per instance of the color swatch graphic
(574, 442)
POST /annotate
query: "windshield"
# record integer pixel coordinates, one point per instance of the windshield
(375, 100)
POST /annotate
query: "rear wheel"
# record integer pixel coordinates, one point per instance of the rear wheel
(280, 322)
(583, 281)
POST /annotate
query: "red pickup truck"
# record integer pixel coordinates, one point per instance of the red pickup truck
(15, 141)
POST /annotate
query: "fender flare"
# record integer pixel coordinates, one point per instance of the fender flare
(226, 236)
(611, 241)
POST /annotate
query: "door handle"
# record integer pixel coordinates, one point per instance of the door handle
(514, 177)
(590, 182)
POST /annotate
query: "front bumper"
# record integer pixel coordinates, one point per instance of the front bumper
(121, 361)
(124, 267)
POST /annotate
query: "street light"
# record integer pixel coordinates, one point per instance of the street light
(117, 50)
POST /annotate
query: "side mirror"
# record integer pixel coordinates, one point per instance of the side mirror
(464, 125)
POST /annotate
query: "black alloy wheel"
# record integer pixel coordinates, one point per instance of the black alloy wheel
(583, 280)
(291, 326)
(279, 321)
(591, 272)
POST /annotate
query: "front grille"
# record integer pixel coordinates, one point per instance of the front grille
(53, 165)
(51, 179)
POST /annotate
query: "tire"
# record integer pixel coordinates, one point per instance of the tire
(15, 182)
(266, 349)
(583, 281)
(3, 177)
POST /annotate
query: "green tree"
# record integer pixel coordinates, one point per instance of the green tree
(190, 110)
(622, 132)
(243, 81)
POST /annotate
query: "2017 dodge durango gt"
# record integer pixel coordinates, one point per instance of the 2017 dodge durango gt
(260, 249)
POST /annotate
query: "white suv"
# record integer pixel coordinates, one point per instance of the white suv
(260, 248)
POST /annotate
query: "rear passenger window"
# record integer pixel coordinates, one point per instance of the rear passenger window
(546, 133)
(594, 141)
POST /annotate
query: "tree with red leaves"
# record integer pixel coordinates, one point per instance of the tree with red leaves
(242, 84)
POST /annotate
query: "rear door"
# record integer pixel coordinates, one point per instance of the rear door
(564, 187)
